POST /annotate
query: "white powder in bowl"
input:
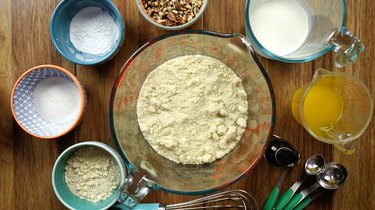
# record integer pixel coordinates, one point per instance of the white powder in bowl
(93, 31)
(92, 174)
(192, 109)
(57, 100)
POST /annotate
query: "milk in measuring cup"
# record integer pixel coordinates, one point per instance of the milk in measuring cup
(281, 26)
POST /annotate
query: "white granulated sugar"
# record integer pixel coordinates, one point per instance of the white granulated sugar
(192, 109)
(93, 31)
(92, 174)
(57, 100)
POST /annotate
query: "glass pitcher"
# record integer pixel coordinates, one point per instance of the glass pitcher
(147, 169)
(296, 31)
(335, 108)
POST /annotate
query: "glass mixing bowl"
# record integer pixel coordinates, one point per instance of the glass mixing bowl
(156, 172)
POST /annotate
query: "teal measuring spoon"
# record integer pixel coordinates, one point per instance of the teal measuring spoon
(283, 156)
(313, 166)
(334, 175)
(305, 202)
(272, 197)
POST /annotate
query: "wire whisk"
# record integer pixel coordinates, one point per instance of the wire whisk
(234, 199)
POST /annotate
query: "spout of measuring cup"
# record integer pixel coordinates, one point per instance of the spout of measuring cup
(134, 189)
(237, 39)
(246, 42)
(347, 46)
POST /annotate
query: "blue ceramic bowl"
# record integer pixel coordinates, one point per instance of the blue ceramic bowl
(60, 24)
(61, 189)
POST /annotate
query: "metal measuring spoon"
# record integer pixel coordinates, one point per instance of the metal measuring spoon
(284, 155)
(333, 176)
(305, 202)
(313, 166)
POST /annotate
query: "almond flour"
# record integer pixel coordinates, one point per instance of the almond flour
(92, 174)
(192, 109)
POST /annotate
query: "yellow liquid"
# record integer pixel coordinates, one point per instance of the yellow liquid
(322, 108)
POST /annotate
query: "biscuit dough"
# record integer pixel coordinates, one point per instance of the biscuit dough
(92, 174)
(192, 109)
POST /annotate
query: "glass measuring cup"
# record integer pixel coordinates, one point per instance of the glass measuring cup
(296, 31)
(147, 169)
(334, 108)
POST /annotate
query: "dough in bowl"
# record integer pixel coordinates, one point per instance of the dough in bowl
(192, 109)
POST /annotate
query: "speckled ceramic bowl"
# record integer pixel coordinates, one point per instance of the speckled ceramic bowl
(23, 108)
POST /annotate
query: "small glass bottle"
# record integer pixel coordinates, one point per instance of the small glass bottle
(280, 152)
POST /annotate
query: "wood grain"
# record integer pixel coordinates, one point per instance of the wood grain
(26, 162)
(33, 158)
(361, 166)
(7, 164)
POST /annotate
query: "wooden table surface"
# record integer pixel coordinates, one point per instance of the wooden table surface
(26, 162)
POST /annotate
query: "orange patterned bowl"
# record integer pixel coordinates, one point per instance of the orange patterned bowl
(29, 110)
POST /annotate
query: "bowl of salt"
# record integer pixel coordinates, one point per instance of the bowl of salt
(48, 101)
(87, 32)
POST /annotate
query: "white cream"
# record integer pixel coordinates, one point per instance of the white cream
(281, 26)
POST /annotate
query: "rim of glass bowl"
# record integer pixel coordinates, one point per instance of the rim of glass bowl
(261, 151)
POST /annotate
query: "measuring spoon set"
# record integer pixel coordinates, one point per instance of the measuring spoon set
(329, 176)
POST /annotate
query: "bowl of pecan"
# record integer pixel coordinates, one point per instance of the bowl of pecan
(171, 14)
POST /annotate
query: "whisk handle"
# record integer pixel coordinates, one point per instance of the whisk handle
(143, 206)
(148, 206)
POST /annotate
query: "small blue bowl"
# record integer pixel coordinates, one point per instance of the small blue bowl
(61, 188)
(60, 24)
